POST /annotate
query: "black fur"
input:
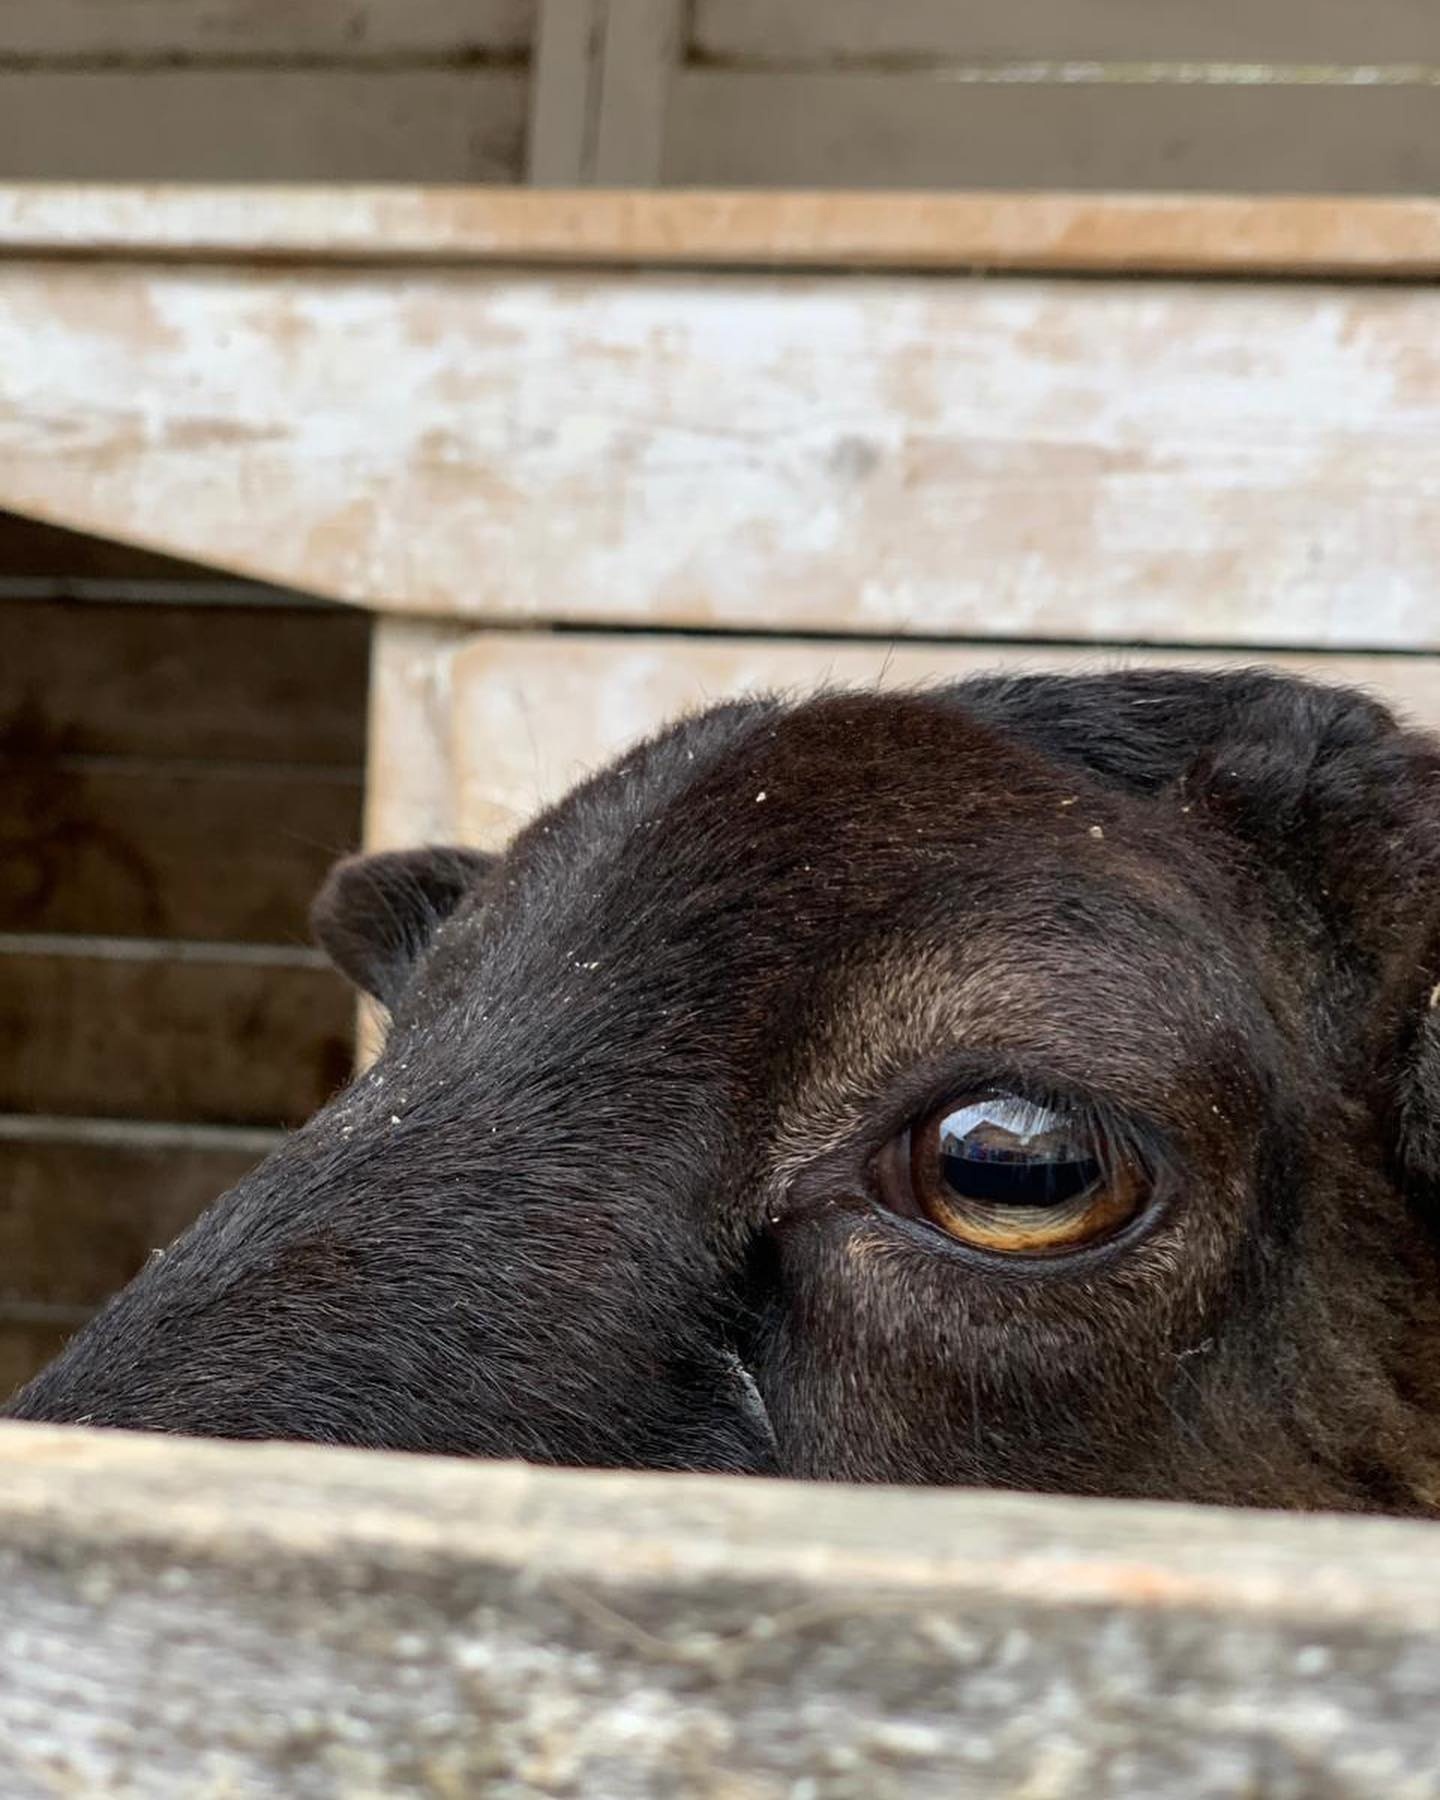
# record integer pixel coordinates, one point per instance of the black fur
(609, 1195)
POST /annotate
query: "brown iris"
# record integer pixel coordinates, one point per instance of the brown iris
(1002, 1173)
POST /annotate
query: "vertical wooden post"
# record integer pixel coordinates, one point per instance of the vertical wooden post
(564, 92)
(642, 44)
(600, 83)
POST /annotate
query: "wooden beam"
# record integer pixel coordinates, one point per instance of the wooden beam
(1035, 128)
(530, 714)
(1109, 460)
(223, 1616)
(820, 33)
(214, 31)
(1065, 233)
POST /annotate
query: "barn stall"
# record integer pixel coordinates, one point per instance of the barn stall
(576, 487)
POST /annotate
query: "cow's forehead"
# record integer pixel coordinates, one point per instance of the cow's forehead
(759, 840)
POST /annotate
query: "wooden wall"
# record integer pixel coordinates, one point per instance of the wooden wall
(1275, 95)
(1318, 96)
(180, 761)
(248, 90)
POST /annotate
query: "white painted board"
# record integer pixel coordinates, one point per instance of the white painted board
(1223, 463)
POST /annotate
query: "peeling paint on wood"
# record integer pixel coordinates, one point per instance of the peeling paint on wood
(1225, 464)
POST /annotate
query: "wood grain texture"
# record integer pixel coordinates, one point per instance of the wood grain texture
(321, 1621)
(168, 850)
(248, 684)
(465, 125)
(213, 30)
(79, 1218)
(1210, 233)
(860, 129)
(1295, 31)
(1118, 461)
(141, 1031)
(531, 715)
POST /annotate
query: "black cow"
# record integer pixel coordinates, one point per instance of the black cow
(1031, 1082)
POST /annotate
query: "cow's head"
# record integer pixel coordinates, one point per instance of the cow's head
(1031, 1082)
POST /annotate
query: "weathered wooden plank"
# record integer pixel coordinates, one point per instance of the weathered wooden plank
(167, 850)
(870, 129)
(79, 1215)
(212, 30)
(460, 125)
(269, 684)
(395, 1625)
(531, 714)
(159, 1031)
(1312, 32)
(1118, 461)
(1209, 233)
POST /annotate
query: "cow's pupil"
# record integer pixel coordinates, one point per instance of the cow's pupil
(1004, 1151)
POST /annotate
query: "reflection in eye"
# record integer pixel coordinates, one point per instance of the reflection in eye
(1008, 1151)
(1002, 1172)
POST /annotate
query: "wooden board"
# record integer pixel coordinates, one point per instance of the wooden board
(148, 1031)
(529, 715)
(258, 1620)
(1118, 461)
(246, 683)
(81, 1211)
(213, 30)
(1131, 233)
(459, 125)
(1311, 32)
(867, 129)
(169, 850)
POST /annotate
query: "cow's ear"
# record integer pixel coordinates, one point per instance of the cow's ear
(1340, 804)
(375, 914)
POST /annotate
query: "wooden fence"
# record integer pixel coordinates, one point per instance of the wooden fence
(191, 1619)
(1281, 95)
(180, 760)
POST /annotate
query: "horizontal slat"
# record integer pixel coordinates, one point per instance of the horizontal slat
(259, 684)
(163, 850)
(598, 695)
(224, 1039)
(1110, 460)
(77, 1220)
(1311, 31)
(343, 30)
(403, 1625)
(1132, 233)
(345, 125)
(885, 130)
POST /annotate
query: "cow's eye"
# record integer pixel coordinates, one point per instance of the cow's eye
(1002, 1173)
